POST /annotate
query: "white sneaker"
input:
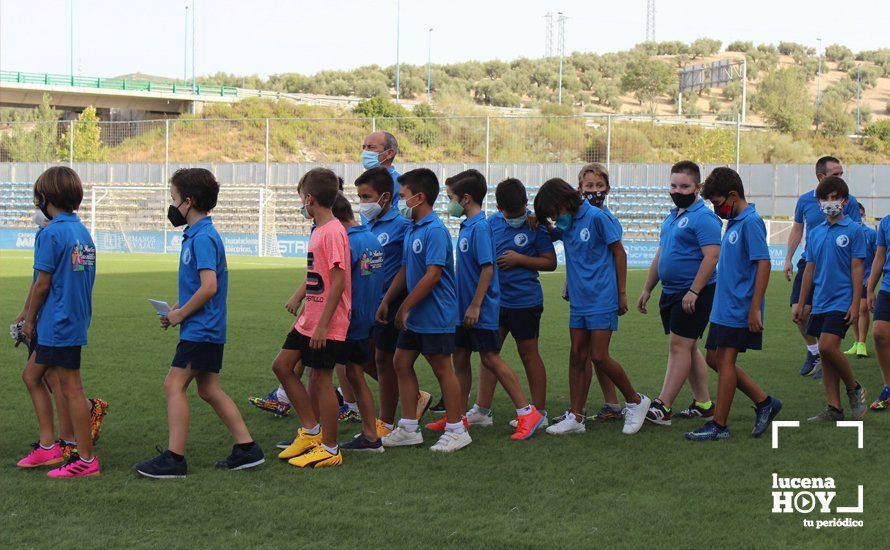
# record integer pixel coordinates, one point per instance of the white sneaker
(400, 437)
(452, 441)
(544, 421)
(635, 415)
(568, 425)
(475, 417)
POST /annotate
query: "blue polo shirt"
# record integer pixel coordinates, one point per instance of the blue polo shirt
(475, 249)
(395, 186)
(202, 248)
(743, 246)
(65, 250)
(871, 247)
(614, 220)
(520, 286)
(366, 261)
(682, 238)
(390, 229)
(36, 241)
(832, 248)
(807, 212)
(884, 240)
(590, 265)
(428, 242)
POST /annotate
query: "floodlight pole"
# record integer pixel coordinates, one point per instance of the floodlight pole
(819, 85)
(744, 87)
(429, 57)
(398, 29)
(185, 48)
(194, 79)
(71, 39)
(858, 97)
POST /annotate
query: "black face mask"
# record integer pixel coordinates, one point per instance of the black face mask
(595, 198)
(683, 200)
(175, 216)
(42, 207)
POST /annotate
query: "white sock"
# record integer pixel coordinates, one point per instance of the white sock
(524, 410)
(408, 424)
(282, 396)
(813, 348)
(457, 427)
(45, 448)
(333, 450)
(315, 430)
(352, 407)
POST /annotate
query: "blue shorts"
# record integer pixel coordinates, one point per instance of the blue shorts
(741, 339)
(594, 321)
(882, 306)
(355, 351)
(831, 322)
(66, 357)
(676, 321)
(202, 356)
(440, 343)
(477, 339)
(798, 281)
(523, 323)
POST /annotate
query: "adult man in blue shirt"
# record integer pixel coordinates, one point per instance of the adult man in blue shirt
(380, 149)
(807, 215)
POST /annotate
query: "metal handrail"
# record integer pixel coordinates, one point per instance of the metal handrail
(116, 84)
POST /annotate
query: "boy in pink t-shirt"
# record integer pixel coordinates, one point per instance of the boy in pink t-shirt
(321, 327)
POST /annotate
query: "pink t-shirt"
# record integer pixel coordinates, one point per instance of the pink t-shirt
(328, 249)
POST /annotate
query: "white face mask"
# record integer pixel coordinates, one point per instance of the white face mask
(831, 208)
(305, 212)
(39, 219)
(370, 210)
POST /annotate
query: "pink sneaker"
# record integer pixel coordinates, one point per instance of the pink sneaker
(76, 467)
(41, 457)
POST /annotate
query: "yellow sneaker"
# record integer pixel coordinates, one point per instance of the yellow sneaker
(382, 429)
(303, 443)
(423, 403)
(318, 457)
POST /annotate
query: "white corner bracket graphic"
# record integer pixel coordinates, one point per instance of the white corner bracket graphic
(782, 424)
(854, 424)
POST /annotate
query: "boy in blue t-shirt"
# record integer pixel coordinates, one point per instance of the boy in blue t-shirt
(835, 250)
(201, 313)
(860, 330)
(59, 312)
(596, 277)
(374, 188)
(478, 302)
(366, 261)
(880, 305)
(428, 314)
(684, 263)
(737, 315)
(521, 253)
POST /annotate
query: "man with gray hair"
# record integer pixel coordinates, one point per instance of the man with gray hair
(379, 149)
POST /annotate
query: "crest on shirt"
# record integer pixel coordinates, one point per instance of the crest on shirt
(464, 244)
(521, 239)
(683, 222)
(584, 234)
(186, 255)
(733, 237)
(370, 261)
(417, 246)
(842, 240)
(383, 238)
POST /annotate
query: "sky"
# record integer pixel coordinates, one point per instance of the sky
(114, 37)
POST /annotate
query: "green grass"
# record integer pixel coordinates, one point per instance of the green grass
(600, 488)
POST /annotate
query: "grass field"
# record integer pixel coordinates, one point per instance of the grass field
(596, 489)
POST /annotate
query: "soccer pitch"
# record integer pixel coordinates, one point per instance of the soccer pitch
(594, 489)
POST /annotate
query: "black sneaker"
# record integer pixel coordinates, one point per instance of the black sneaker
(163, 466)
(242, 460)
(438, 408)
(361, 443)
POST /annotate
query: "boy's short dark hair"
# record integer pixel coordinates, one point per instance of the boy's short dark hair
(510, 194)
(556, 193)
(469, 182)
(421, 180)
(832, 184)
(822, 164)
(721, 181)
(198, 184)
(322, 184)
(687, 167)
(378, 178)
(342, 210)
(61, 187)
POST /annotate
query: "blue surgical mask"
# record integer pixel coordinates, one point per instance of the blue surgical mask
(564, 222)
(370, 160)
(516, 223)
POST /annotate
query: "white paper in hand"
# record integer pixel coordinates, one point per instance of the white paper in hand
(163, 308)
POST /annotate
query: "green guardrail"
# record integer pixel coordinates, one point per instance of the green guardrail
(115, 84)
